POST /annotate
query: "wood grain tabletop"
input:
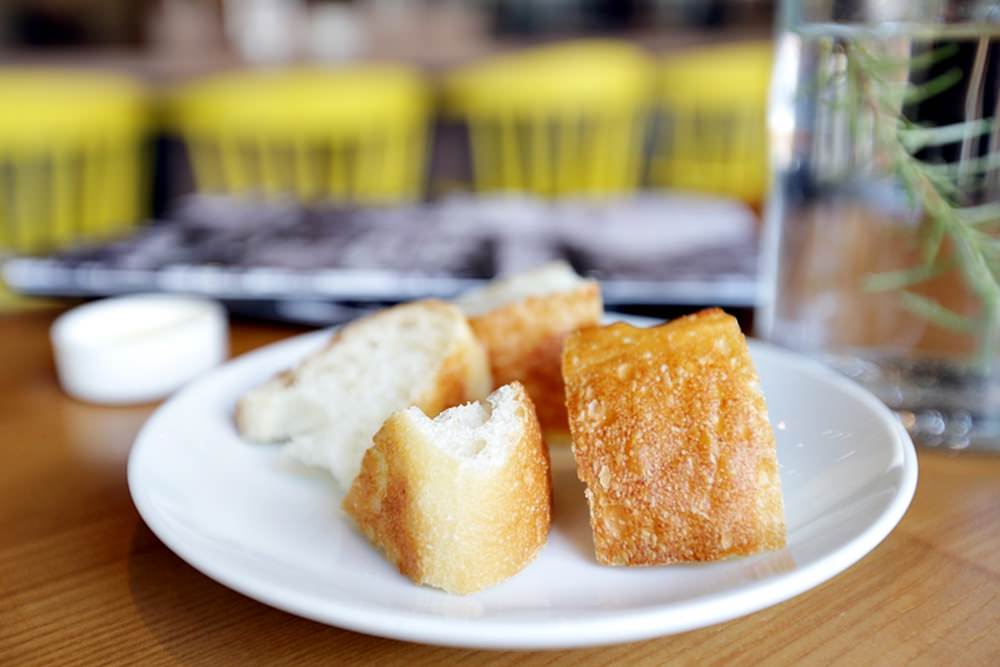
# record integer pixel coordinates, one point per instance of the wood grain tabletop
(83, 581)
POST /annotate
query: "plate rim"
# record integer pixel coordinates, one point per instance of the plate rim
(610, 627)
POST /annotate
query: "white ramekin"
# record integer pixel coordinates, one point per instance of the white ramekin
(137, 348)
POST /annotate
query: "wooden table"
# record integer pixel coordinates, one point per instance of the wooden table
(82, 580)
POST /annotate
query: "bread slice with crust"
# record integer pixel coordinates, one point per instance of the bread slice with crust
(524, 320)
(671, 437)
(460, 502)
(329, 406)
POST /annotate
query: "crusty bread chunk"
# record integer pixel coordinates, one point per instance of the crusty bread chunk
(329, 406)
(460, 502)
(671, 437)
(524, 320)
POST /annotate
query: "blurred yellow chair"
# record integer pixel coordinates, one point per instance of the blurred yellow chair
(355, 134)
(559, 120)
(72, 162)
(712, 134)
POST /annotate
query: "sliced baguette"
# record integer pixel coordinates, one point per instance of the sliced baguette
(524, 320)
(329, 406)
(671, 437)
(460, 502)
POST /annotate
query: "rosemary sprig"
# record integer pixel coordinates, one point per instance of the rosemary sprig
(896, 280)
(976, 165)
(935, 312)
(935, 189)
(916, 137)
(981, 216)
(942, 82)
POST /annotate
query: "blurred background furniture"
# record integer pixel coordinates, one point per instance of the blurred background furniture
(73, 157)
(555, 121)
(265, 133)
(354, 134)
(710, 133)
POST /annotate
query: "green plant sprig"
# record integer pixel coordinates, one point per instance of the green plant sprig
(932, 188)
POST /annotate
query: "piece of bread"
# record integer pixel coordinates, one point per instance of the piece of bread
(461, 502)
(329, 406)
(524, 320)
(671, 437)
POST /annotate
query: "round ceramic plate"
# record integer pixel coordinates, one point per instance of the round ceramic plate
(240, 513)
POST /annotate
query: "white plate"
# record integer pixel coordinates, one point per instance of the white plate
(240, 514)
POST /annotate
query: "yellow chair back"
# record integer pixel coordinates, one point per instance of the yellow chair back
(72, 160)
(355, 134)
(711, 135)
(560, 120)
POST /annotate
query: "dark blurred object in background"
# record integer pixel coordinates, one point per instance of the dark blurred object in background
(566, 17)
(574, 17)
(47, 24)
(320, 29)
(650, 249)
(63, 24)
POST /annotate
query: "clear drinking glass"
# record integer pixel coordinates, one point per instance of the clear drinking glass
(882, 239)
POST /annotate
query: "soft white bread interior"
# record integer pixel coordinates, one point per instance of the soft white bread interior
(523, 321)
(460, 502)
(329, 406)
(671, 437)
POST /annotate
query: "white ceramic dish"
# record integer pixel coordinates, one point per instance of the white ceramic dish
(242, 515)
(137, 348)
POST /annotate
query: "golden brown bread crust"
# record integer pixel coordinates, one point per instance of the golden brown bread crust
(448, 524)
(671, 437)
(524, 341)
